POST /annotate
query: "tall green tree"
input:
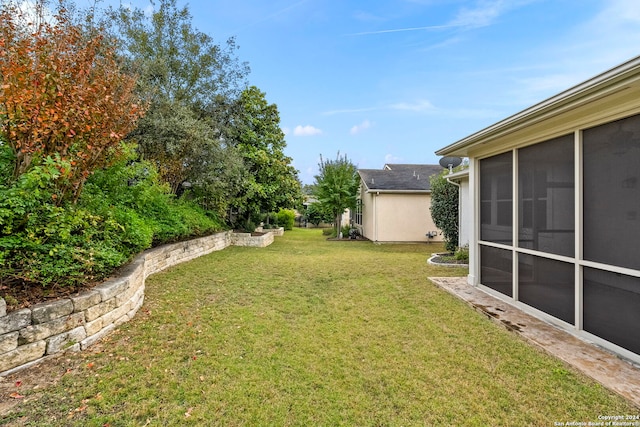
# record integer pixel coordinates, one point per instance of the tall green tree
(336, 186)
(444, 208)
(271, 182)
(191, 83)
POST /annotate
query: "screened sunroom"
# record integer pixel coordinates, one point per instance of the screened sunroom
(555, 191)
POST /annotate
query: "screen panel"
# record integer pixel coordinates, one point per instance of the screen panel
(496, 269)
(546, 196)
(496, 198)
(612, 193)
(547, 285)
(612, 307)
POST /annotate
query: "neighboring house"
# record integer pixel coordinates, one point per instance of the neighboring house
(555, 193)
(394, 204)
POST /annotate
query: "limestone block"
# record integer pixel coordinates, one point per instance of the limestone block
(42, 331)
(134, 268)
(136, 307)
(92, 313)
(61, 342)
(122, 319)
(3, 307)
(111, 288)
(48, 311)
(8, 342)
(85, 300)
(90, 340)
(115, 314)
(23, 354)
(73, 348)
(93, 327)
(15, 321)
(127, 295)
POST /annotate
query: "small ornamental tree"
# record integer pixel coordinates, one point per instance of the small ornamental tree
(316, 215)
(62, 96)
(336, 187)
(444, 209)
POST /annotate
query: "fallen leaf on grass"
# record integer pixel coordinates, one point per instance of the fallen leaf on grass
(15, 395)
(79, 409)
(188, 413)
(18, 383)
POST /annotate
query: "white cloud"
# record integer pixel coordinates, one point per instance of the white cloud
(420, 106)
(485, 13)
(349, 111)
(366, 124)
(307, 130)
(481, 16)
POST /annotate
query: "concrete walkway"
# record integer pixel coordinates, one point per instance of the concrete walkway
(609, 370)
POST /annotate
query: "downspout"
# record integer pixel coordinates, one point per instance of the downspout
(375, 216)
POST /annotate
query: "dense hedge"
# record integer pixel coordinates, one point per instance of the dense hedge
(444, 209)
(122, 211)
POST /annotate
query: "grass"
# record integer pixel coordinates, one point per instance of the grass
(309, 332)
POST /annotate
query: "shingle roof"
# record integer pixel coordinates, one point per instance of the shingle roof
(399, 177)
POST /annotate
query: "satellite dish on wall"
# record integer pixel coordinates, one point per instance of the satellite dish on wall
(450, 162)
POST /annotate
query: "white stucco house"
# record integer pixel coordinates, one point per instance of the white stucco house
(394, 204)
(554, 195)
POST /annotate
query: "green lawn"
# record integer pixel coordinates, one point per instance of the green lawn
(310, 332)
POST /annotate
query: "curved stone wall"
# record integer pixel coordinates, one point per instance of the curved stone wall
(29, 335)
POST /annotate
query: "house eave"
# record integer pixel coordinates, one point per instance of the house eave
(373, 190)
(611, 82)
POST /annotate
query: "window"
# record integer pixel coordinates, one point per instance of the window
(358, 213)
(546, 196)
(612, 193)
(496, 196)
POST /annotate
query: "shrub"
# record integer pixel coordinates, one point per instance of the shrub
(248, 226)
(122, 211)
(462, 254)
(331, 232)
(444, 209)
(316, 215)
(286, 218)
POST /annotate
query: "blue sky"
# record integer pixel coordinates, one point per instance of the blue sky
(392, 81)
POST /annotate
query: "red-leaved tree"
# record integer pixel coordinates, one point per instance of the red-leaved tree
(62, 95)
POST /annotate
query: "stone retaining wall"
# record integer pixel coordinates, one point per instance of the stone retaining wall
(29, 335)
(246, 239)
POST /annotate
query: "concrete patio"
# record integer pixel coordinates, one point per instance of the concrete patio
(616, 374)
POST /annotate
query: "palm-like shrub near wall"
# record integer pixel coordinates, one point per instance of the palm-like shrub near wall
(444, 209)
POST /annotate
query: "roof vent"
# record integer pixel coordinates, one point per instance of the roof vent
(372, 181)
